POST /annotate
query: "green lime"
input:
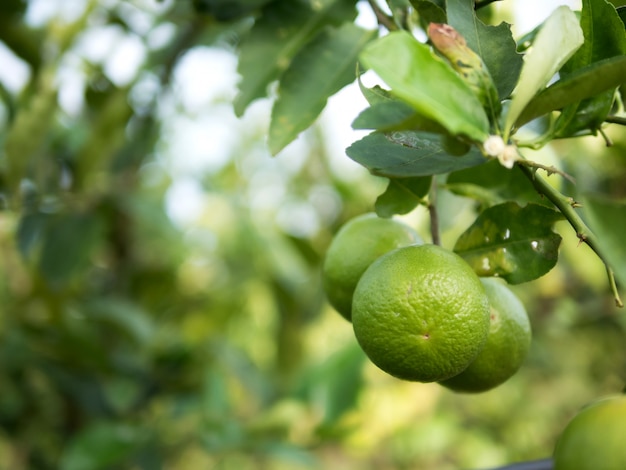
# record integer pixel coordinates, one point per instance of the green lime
(358, 243)
(595, 438)
(420, 313)
(506, 347)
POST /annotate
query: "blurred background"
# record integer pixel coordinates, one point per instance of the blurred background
(160, 296)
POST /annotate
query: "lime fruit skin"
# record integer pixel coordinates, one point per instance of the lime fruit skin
(357, 244)
(420, 313)
(595, 439)
(506, 347)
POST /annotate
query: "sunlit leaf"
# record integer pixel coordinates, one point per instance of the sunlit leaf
(589, 81)
(402, 195)
(557, 40)
(320, 70)
(604, 38)
(416, 75)
(513, 242)
(408, 153)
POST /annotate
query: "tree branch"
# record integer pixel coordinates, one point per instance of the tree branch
(382, 18)
(432, 211)
(566, 206)
(616, 120)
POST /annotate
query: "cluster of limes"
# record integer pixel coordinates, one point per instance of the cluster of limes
(419, 311)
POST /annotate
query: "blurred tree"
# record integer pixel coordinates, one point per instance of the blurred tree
(135, 336)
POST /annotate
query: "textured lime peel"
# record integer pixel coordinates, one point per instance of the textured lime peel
(467, 63)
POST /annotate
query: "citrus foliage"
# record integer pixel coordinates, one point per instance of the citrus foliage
(129, 342)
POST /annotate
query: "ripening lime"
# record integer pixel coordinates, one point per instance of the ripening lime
(358, 243)
(595, 439)
(420, 313)
(506, 347)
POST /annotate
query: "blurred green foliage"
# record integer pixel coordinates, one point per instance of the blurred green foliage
(128, 341)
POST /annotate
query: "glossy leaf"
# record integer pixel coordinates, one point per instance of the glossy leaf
(320, 70)
(494, 44)
(402, 195)
(394, 115)
(408, 153)
(607, 219)
(584, 83)
(557, 40)
(513, 242)
(416, 75)
(276, 37)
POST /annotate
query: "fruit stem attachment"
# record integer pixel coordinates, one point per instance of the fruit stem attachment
(565, 206)
(432, 211)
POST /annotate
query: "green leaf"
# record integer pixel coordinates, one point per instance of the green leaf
(320, 70)
(429, 12)
(100, 446)
(283, 29)
(402, 154)
(494, 44)
(557, 40)
(69, 240)
(513, 242)
(584, 83)
(492, 183)
(402, 195)
(416, 75)
(394, 115)
(607, 219)
(604, 38)
(621, 12)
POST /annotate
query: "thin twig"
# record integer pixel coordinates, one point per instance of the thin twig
(566, 207)
(616, 120)
(548, 169)
(543, 464)
(382, 18)
(432, 211)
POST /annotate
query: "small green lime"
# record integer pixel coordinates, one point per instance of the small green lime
(420, 313)
(506, 347)
(595, 438)
(358, 243)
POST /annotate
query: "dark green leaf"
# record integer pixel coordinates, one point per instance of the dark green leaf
(321, 69)
(416, 75)
(283, 29)
(408, 153)
(604, 38)
(29, 231)
(394, 115)
(513, 242)
(607, 219)
(429, 12)
(621, 12)
(494, 44)
(492, 183)
(584, 83)
(402, 195)
(68, 243)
